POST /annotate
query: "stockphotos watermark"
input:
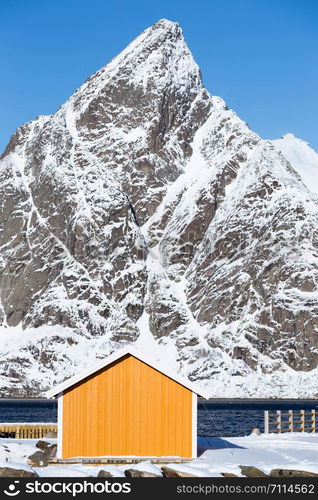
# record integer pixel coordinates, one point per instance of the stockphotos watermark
(71, 488)
(172, 488)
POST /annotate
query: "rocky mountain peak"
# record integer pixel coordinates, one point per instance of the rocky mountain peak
(158, 58)
(162, 31)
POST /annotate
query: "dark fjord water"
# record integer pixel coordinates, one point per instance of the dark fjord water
(215, 418)
(220, 418)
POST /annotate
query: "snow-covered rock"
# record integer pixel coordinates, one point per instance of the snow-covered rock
(302, 157)
(145, 211)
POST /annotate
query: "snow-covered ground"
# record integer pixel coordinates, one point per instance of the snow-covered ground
(267, 451)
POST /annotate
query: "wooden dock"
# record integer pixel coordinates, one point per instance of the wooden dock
(117, 460)
(26, 431)
(290, 421)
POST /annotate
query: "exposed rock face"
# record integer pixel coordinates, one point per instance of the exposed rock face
(168, 472)
(291, 473)
(46, 452)
(145, 211)
(250, 471)
(104, 473)
(140, 473)
(10, 472)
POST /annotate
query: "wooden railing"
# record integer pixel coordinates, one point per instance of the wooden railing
(290, 421)
(26, 431)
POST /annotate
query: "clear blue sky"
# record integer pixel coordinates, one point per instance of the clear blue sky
(261, 56)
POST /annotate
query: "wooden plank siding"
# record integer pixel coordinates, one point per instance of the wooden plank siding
(127, 408)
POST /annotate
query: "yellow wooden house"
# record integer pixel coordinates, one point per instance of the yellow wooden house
(127, 404)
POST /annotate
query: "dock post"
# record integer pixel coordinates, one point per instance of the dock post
(302, 413)
(313, 420)
(291, 420)
(266, 422)
(279, 420)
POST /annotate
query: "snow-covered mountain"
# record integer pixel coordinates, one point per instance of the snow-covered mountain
(302, 157)
(145, 211)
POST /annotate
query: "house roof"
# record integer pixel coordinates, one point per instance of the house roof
(57, 390)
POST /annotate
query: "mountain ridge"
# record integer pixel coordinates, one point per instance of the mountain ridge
(145, 211)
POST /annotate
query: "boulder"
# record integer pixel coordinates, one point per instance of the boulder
(229, 474)
(49, 450)
(10, 472)
(39, 459)
(42, 445)
(291, 473)
(140, 473)
(250, 471)
(104, 473)
(52, 450)
(168, 472)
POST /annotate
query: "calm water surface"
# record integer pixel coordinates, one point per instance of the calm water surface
(215, 418)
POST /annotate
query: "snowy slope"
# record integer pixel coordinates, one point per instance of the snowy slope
(296, 451)
(145, 211)
(302, 157)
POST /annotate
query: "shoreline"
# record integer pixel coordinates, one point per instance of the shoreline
(207, 401)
